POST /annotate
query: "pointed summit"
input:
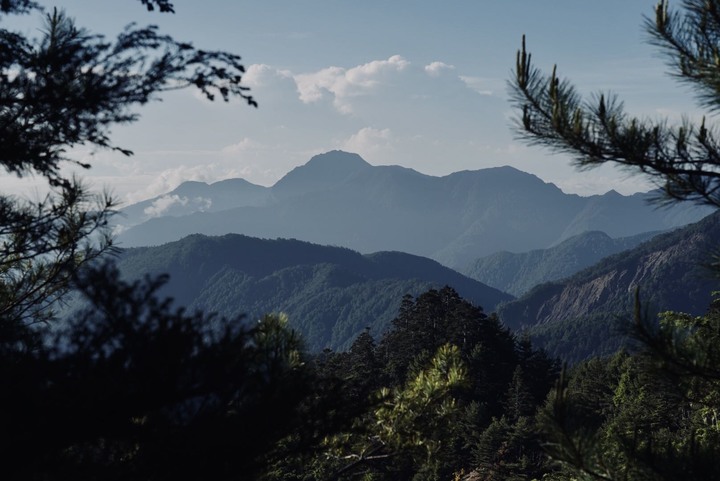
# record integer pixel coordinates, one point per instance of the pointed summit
(323, 171)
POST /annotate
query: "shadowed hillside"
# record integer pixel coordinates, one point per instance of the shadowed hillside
(331, 294)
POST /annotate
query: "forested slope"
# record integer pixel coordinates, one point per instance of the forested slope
(331, 294)
(517, 273)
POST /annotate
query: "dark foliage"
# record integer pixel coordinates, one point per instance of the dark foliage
(506, 380)
(132, 389)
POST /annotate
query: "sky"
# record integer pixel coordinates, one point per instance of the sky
(417, 83)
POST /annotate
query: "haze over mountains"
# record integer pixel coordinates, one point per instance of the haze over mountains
(339, 199)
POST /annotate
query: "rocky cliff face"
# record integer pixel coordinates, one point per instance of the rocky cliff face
(517, 273)
(667, 270)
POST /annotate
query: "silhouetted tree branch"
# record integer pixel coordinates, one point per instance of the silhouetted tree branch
(685, 159)
(67, 89)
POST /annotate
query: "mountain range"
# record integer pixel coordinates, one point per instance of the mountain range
(517, 273)
(339, 199)
(501, 227)
(330, 294)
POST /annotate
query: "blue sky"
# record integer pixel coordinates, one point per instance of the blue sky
(416, 83)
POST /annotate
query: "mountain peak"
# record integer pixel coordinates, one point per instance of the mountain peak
(190, 187)
(323, 171)
(335, 157)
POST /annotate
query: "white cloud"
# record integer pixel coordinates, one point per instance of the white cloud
(311, 86)
(165, 203)
(29, 187)
(169, 179)
(248, 158)
(162, 205)
(365, 74)
(260, 74)
(243, 145)
(481, 85)
(343, 84)
(436, 68)
(600, 184)
(368, 141)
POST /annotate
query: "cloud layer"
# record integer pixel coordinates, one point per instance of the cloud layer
(342, 84)
(435, 69)
(165, 204)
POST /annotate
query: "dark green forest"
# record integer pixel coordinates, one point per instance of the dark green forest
(131, 386)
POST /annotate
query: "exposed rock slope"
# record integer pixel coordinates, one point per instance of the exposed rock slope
(585, 309)
(518, 273)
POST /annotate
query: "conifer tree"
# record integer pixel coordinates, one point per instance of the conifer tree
(405, 434)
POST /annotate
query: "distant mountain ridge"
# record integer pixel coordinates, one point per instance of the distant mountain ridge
(192, 196)
(581, 315)
(516, 274)
(339, 199)
(331, 294)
